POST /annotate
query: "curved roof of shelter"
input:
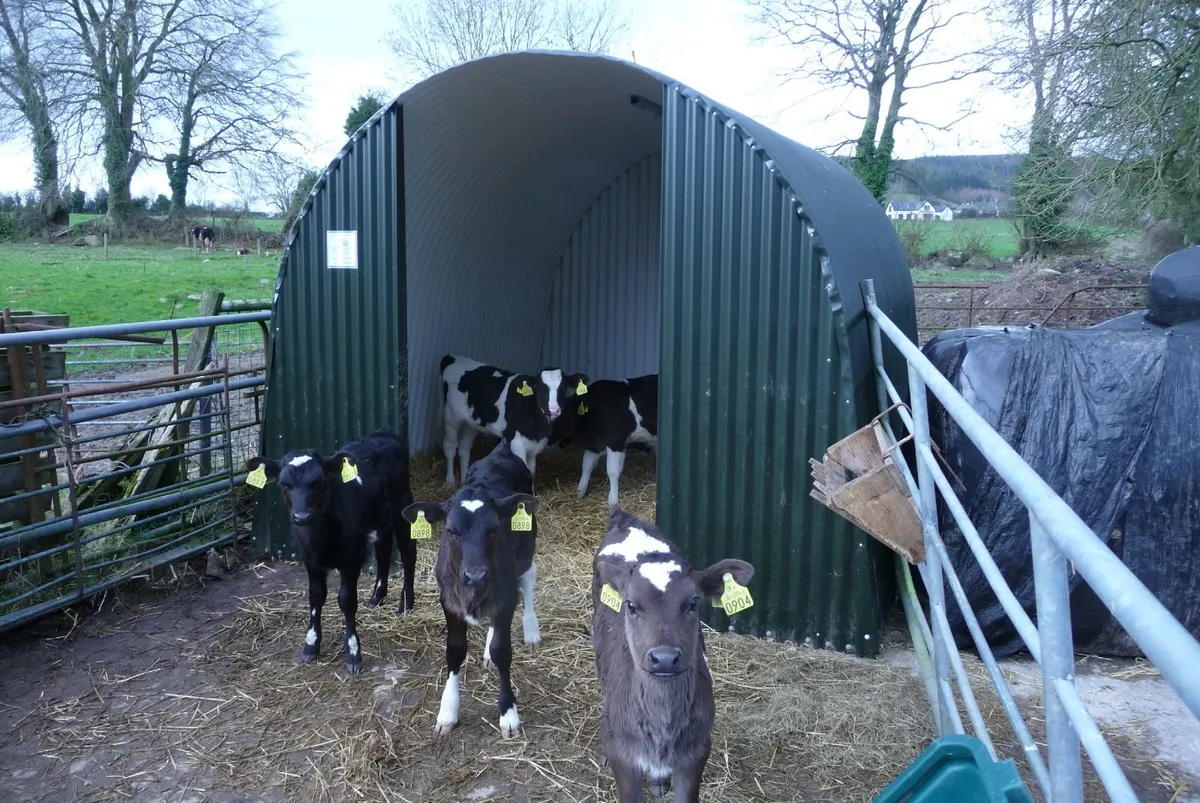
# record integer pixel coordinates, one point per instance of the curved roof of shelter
(504, 154)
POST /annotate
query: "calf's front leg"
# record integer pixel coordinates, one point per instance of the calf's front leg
(500, 649)
(408, 559)
(348, 602)
(317, 592)
(456, 653)
(686, 781)
(629, 781)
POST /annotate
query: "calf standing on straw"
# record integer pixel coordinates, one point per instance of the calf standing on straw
(658, 711)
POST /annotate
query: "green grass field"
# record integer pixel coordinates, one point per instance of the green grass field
(991, 237)
(135, 283)
(269, 225)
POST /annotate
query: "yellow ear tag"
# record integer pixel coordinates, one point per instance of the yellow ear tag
(522, 522)
(582, 408)
(525, 390)
(736, 597)
(580, 389)
(421, 530)
(349, 470)
(258, 477)
(610, 597)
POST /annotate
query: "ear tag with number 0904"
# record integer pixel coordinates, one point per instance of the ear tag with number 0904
(421, 529)
(522, 522)
(258, 477)
(610, 597)
(349, 470)
(736, 597)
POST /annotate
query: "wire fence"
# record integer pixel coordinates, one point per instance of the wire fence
(943, 306)
(120, 450)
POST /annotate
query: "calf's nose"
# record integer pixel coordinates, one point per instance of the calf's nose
(474, 578)
(664, 660)
(301, 518)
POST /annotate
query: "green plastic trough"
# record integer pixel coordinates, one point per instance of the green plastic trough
(957, 769)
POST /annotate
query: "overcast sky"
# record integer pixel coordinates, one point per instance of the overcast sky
(706, 44)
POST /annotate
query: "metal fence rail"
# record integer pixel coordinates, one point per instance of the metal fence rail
(1057, 535)
(125, 470)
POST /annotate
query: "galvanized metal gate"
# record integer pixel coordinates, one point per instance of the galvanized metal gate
(1058, 535)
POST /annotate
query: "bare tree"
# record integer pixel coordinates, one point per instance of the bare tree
(113, 51)
(433, 35)
(230, 95)
(28, 95)
(883, 49)
(1038, 55)
(277, 178)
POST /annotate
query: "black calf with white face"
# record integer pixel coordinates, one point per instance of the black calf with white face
(483, 563)
(336, 520)
(658, 710)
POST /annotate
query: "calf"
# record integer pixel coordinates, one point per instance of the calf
(612, 416)
(517, 408)
(204, 237)
(658, 710)
(336, 515)
(485, 558)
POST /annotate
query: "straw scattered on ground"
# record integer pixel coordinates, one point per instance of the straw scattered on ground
(222, 704)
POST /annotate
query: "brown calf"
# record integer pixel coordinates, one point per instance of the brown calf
(658, 710)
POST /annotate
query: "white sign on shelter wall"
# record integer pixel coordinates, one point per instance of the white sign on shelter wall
(341, 250)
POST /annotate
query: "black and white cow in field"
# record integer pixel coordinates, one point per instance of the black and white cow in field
(520, 409)
(657, 715)
(335, 522)
(205, 237)
(483, 563)
(612, 415)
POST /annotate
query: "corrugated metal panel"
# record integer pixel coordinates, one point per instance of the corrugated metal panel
(337, 347)
(758, 375)
(603, 316)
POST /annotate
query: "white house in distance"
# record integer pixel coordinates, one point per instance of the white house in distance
(918, 210)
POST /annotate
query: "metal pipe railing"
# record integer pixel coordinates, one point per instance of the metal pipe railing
(1163, 640)
(54, 336)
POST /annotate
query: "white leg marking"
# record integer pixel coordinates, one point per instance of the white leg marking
(311, 638)
(448, 714)
(466, 439)
(590, 459)
(449, 443)
(471, 620)
(487, 648)
(529, 622)
(510, 724)
(373, 536)
(616, 464)
(352, 645)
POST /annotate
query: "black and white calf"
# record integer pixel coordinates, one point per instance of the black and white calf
(204, 237)
(484, 560)
(658, 710)
(613, 415)
(336, 519)
(520, 409)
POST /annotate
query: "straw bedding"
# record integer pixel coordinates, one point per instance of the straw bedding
(793, 723)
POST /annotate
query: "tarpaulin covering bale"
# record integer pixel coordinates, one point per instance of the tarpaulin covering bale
(1110, 419)
(1174, 293)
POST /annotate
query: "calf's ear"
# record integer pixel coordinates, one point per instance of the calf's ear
(614, 572)
(712, 579)
(508, 505)
(432, 510)
(271, 467)
(571, 383)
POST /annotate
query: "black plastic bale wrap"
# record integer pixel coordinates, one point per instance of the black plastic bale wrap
(1173, 295)
(1110, 419)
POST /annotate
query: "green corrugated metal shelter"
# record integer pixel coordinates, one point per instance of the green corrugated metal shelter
(561, 208)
